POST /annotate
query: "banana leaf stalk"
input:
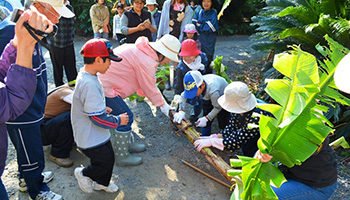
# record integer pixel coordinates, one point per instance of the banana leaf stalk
(192, 135)
(298, 128)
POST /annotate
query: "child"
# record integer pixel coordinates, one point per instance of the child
(152, 7)
(207, 26)
(91, 119)
(117, 32)
(191, 33)
(210, 87)
(240, 102)
(194, 5)
(192, 59)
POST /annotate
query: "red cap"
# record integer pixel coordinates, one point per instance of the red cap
(99, 47)
(189, 48)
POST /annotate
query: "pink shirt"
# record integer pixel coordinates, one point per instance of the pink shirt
(135, 73)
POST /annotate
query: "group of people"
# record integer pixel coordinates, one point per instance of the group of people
(94, 114)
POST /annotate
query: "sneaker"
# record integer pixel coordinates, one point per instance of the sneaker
(112, 188)
(22, 186)
(85, 183)
(48, 195)
(63, 162)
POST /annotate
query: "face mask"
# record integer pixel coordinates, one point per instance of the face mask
(196, 64)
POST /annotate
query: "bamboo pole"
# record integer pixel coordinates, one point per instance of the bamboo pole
(206, 174)
(192, 135)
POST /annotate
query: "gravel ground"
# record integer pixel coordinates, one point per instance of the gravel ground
(161, 176)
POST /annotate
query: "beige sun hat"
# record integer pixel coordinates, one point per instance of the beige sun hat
(237, 98)
(341, 74)
(58, 5)
(169, 46)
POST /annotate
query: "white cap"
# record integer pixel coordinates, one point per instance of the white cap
(237, 98)
(59, 6)
(169, 46)
(341, 74)
(151, 2)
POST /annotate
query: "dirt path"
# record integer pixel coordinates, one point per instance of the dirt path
(162, 175)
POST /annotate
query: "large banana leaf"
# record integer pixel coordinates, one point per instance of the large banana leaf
(298, 128)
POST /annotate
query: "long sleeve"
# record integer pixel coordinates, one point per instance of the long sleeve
(16, 96)
(115, 24)
(216, 107)
(124, 25)
(164, 20)
(186, 20)
(105, 121)
(8, 57)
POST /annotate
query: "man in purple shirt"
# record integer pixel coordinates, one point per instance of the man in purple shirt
(17, 79)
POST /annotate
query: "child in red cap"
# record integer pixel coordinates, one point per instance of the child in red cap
(91, 119)
(192, 59)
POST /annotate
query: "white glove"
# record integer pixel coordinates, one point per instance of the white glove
(179, 116)
(208, 137)
(202, 122)
(165, 109)
(215, 142)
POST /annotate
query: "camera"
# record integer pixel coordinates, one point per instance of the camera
(16, 14)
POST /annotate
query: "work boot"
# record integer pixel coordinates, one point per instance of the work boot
(135, 147)
(63, 162)
(122, 156)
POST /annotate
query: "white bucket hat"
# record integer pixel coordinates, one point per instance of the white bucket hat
(341, 74)
(169, 46)
(237, 98)
(59, 6)
(151, 2)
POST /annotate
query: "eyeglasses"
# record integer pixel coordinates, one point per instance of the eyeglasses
(52, 13)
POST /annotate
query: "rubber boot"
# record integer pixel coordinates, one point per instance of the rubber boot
(122, 155)
(135, 147)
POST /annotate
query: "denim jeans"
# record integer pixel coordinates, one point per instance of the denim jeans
(294, 190)
(119, 106)
(3, 193)
(101, 35)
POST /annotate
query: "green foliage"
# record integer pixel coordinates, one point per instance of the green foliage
(303, 22)
(298, 128)
(220, 68)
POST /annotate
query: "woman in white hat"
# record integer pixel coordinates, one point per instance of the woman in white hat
(240, 102)
(136, 73)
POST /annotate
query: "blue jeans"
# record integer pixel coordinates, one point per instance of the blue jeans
(101, 35)
(119, 106)
(30, 157)
(295, 190)
(3, 193)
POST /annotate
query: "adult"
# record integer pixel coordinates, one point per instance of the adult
(62, 50)
(175, 15)
(127, 5)
(99, 15)
(136, 73)
(240, 102)
(16, 95)
(24, 131)
(137, 22)
(4, 21)
(315, 178)
(152, 7)
(56, 130)
(207, 25)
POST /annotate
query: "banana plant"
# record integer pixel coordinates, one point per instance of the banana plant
(298, 128)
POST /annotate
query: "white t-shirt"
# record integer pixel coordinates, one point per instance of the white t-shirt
(88, 100)
(117, 25)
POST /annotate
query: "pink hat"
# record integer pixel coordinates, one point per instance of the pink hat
(189, 48)
(190, 28)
